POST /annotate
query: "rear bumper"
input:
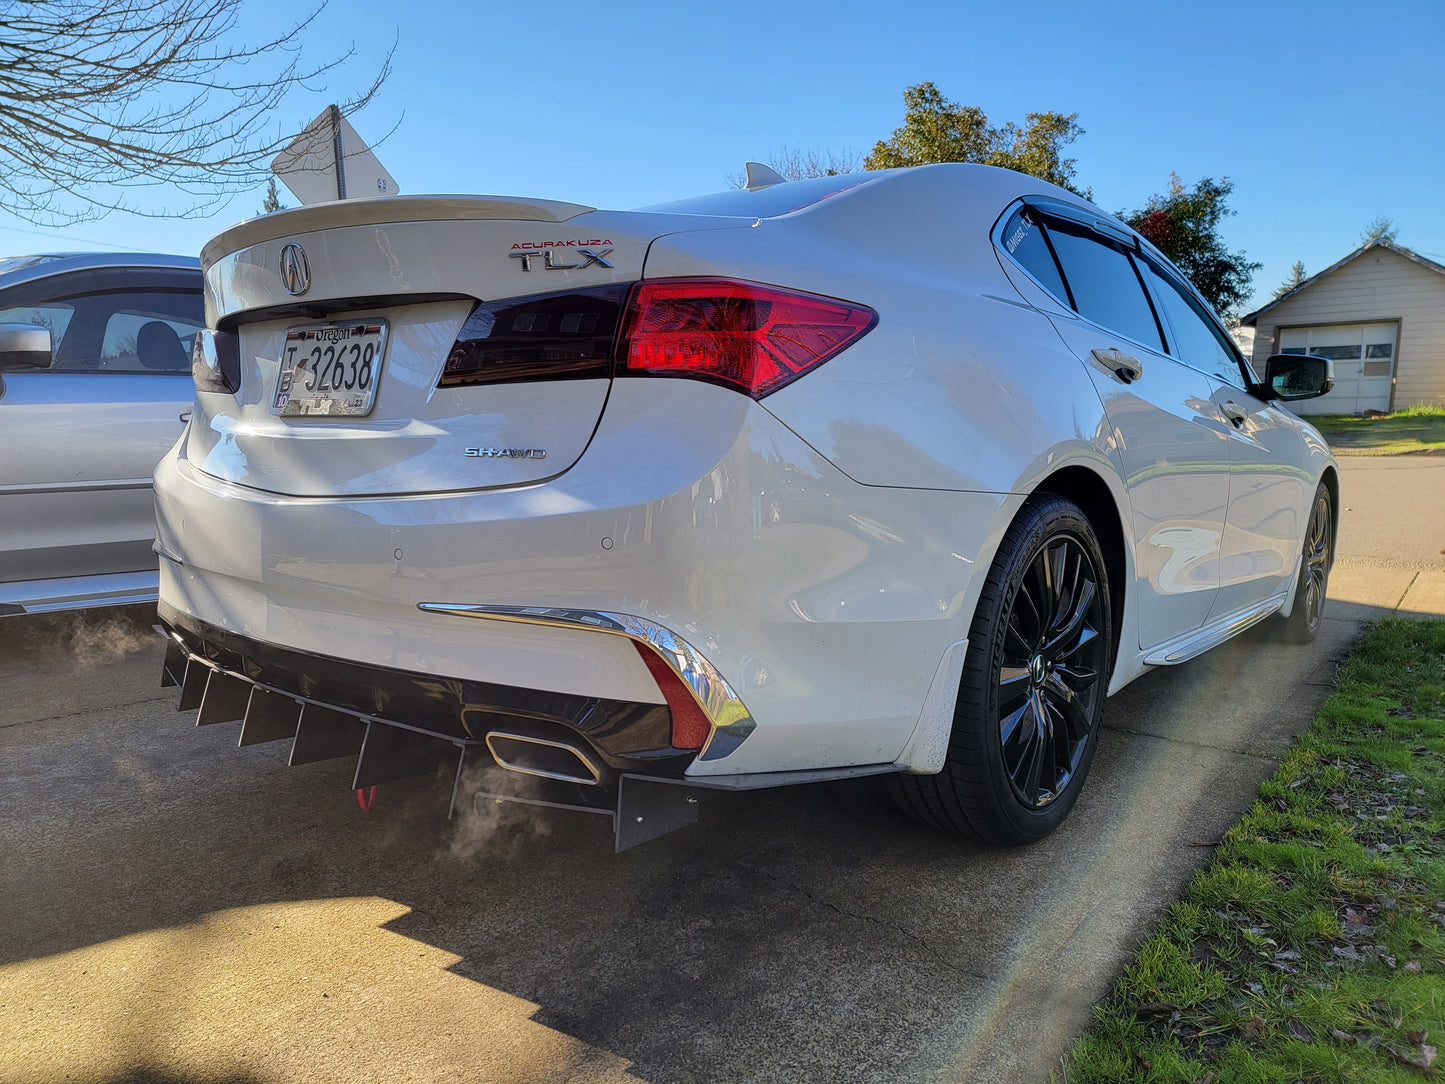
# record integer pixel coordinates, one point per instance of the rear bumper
(614, 735)
(825, 606)
(488, 741)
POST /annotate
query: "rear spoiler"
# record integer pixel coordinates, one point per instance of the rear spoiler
(377, 210)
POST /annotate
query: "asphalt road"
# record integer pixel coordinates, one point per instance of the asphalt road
(1394, 511)
(177, 909)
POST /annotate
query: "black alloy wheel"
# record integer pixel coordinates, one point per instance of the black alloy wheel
(1317, 556)
(1026, 721)
(1049, 675)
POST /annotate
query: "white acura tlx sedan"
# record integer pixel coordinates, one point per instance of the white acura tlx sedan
(900, 472)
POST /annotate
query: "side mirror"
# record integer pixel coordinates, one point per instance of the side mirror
(1297, 376)
(24, 346)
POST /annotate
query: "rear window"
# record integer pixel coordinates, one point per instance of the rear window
(1024, 240)
(780, 199)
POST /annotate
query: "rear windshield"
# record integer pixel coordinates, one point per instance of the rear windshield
(780, 199)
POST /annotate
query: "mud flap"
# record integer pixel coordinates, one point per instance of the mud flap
(324, 734)
(224, 700)
(648, 808)
(389, 753)
(173, 670)
(269, 717)
(193, 685)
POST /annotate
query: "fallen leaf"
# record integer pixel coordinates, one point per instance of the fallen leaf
(1342, 1036)
(1300, 1032)
(1255, 1025)
(1287, 954)
(1417, 1036)
(1412, 965)
(1426, 1058)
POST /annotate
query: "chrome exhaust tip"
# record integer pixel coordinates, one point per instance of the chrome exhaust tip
(543, 758)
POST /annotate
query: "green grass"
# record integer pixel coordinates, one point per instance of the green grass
(1418, 428)
(1313, 947)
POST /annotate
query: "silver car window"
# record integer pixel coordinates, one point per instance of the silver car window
(130, 345)
(129, 331)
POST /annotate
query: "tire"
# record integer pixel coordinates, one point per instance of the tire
(1318, 555)
(1026, 721)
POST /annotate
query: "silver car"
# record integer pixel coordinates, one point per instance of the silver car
(95, 385)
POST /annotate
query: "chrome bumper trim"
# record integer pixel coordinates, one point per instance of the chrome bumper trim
(731, 723)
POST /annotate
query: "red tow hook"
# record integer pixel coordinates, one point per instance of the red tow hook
(366, 798)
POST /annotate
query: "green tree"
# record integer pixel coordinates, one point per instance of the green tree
(935, 129)
(1184, 225)
(1297, 275)
(272, 201)
(1382, 229)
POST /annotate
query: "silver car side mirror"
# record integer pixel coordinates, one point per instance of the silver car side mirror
(24, 346)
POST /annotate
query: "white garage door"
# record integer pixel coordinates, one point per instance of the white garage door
(1364, 358)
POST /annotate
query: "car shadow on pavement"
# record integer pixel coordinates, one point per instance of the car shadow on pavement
(798, 934)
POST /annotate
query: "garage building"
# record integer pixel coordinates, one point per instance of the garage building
(1379, 315)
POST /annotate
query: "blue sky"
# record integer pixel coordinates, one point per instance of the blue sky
(1323, 114)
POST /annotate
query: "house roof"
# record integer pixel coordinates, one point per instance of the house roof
(1251, 319)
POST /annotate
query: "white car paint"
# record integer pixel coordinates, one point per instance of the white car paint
(824, 548)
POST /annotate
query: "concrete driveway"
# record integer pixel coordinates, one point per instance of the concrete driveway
(176, 909)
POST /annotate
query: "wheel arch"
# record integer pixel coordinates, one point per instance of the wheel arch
(1088, 489)
(1330, 478)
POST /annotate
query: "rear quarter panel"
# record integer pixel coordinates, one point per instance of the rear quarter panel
(961, 385)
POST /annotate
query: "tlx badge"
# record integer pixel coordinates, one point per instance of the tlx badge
(591, 253)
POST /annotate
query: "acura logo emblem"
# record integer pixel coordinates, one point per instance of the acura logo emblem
(295, 271)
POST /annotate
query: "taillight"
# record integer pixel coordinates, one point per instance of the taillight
(549, 337)
(752, 338)
(216, 361)
(690, 726)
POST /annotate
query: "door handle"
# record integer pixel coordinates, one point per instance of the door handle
(1235, 413)
(185, 416)
(1127, 368)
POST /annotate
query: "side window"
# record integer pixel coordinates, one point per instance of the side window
(1024, 240)
(1195, 340)
(56, 317)
(140, 341)
(137, 331)
(1104, 285)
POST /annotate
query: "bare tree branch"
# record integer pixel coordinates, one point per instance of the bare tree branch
(796, 164)
(98, 100)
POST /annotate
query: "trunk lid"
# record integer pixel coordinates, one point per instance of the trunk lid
(418, 267)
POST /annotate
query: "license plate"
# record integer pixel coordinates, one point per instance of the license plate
(330, 369)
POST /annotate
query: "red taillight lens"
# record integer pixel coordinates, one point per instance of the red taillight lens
(742, 335)
(690, 726)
